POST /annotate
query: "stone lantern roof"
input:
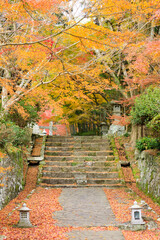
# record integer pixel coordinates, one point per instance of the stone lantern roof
(115, 102)
(24, 208)
(136, 206)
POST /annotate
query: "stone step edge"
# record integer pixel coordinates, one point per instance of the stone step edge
(75, 149)
(78, 141)
(78, 172)
(81, 186)
(74, 167)
(69, 142)
(82, 151)
(77, 166)
(82, 156)
(82, 174)
(78, 161)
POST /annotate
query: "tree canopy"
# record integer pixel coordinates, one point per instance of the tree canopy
(51, 55)
(147, 106)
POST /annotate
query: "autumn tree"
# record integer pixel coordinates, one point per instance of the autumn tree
(48, 45)
(30, 49)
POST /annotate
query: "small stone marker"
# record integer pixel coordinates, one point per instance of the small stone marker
(137, 223)
(81, 179)
(51, 128)
(136, 214)
(24, 221)
(44, 132)
(104, 129)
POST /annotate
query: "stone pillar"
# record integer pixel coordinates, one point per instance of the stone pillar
(51, 128)
(104, 129)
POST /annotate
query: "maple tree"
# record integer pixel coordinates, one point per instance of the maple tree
(123, 38)
(28, 51)
(55, 59)
(48, 45)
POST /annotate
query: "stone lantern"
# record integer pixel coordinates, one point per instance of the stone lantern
(44, 132)
(115, 128)
(116, 108)
(136, 214)
(36, 129)
(24, 221)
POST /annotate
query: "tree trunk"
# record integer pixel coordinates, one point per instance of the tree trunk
(134, 135)
(137, 132)
(4, 97)
(152, 30)
(4, 93)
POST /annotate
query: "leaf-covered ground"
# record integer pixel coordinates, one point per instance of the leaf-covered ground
(44, 202)
(121, 200)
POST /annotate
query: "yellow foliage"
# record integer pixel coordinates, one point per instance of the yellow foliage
(72, 59)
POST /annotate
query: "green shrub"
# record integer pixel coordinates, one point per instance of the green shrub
(147, 143)
(89, 133)
(155, 123)
(126, 134)
(146, 106)
(12, 133)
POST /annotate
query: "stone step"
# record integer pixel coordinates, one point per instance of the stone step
(92, 148)
(89, 146)
(52, 148)
(79, 158)
(59, 139)
(78, 153)
(59, 144)
(104, 181)
(93, 153)
(89, 138)
(70, 147)
(79, 169)
(92, 142)
(50, 180)
(87, 174)
(58, 153)
(55, 181)
(81, 163)
(45, 185)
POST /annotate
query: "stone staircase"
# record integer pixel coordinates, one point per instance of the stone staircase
(79, 161)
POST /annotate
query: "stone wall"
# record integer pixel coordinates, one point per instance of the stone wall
(149, 166)
(11, 176)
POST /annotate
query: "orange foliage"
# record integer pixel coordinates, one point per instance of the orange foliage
(69, 57)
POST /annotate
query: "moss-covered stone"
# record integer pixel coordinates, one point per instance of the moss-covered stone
(12, 178)
(149, 166)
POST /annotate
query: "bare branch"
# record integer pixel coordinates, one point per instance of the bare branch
(41, 40)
